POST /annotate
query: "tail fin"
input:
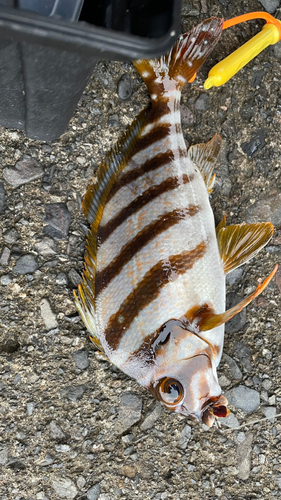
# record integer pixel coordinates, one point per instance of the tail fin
(181, 64)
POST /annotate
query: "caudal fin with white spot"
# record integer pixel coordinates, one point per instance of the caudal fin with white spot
(181, 64)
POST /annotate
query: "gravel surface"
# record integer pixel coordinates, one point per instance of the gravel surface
(72, 426)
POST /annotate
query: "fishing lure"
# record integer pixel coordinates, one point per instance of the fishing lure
(153, 288)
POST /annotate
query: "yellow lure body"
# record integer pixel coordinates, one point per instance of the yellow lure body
(228, 67)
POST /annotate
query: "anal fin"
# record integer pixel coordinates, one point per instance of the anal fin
(204, 156)
(207, 320)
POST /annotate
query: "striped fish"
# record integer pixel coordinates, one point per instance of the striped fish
(153, 288)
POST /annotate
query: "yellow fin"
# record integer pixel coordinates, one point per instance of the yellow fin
(97, 343)
(221, 225)
(109, 170)
(93, 205)
(241, 242)
(209, 320)
(204, 156)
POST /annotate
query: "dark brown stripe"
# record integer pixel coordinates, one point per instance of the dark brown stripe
(148, 195)
(148, 289)
(164, 222)
(149, 166)
(156, 134)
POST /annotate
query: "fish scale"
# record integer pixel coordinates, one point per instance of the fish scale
(153, 288)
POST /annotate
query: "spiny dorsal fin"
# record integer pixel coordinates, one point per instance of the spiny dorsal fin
(241, 242)
(204, 156)
(185, 58)
(211, 320)
(109, 170)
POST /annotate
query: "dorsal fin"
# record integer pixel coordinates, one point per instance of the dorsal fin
(109, 170)
(93, 205)
(239, 243)
(204, 156)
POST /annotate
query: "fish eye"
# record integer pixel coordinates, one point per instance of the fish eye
(170, 391)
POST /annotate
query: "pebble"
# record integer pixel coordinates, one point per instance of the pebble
(234, 275)
(30, 408)
(233, 367)
(25, 264)
(187, 117)
(3, 456)
(269, 412)
(58, 220)
(270, 5)
(64, 487)
(202, 103)
(5, 256)
(152, 417)
(62, 448)
(248, 400)
(223, 182)
(55, 431)
(190, 11)
(266, 383)
(257, 78)
(129, 412)
(231, 421)
(94, 492)
(241, 437)
(128, 471)
(81, 482)
(74, 393)
(26, 170)
(45, 247)
(185, 437)
(81, 359)
(125, 87)
(47, 460)
(9, 343)
(47, 315)
(6, 279)
(224, 381)
(266, 208)
(11, 236)
(113, 121)
(244, 453)
(74, 277)
(48, 177)
(238, 321)
(278, 480)
(244, 354)
(41, 496)
(2, 197)
(256, 143)
(61, 279)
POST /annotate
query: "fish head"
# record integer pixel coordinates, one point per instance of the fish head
(185, 379)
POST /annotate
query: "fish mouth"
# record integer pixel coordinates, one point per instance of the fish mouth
(215, 407)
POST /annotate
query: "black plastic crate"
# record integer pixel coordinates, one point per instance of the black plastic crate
(48, 50)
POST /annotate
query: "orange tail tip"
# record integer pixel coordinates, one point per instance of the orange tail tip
(210, 321)
(183, 61)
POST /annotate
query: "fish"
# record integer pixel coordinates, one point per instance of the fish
(152, 294)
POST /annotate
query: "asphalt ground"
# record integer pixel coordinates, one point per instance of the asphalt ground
(72, 426)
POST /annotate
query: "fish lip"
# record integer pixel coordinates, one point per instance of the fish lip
(214, 402)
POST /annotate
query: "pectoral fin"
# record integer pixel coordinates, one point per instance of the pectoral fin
(208, 320)
(204, 156)
(241, 242)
